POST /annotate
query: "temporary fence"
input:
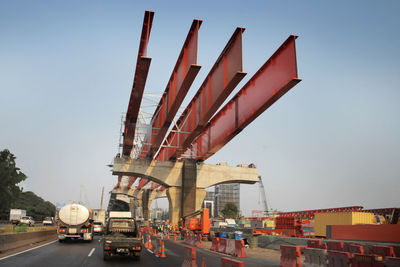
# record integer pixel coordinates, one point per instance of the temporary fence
(189, 257)
(290, 256)
(227, 262)
(314, 257)
(338, 258)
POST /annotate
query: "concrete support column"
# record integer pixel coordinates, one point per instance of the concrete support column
(146, 203)
(174, 195)
(188, 198)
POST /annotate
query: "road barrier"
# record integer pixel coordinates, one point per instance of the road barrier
(215, 244)
(175, 237)
(11, 241)
(239, 249)
(315, 257)
(354, 248)
(338, 258)
(383, 251)
(230, 246)
(227, 262)
(290, 256)
(189, 257)
(222, 245)
(198, 242)
(314, 243)
(335, 245)
(396, 250)
(392, 262)
(360, 260)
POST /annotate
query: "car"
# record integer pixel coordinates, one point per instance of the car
(27, 220)
(48, 221)
(98, 227)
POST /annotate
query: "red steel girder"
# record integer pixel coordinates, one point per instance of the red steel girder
(182, 77)
(139, 82)
(142, 182)
(277, 76)
(226, 73)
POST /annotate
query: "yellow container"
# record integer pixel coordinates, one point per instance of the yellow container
(340, 218)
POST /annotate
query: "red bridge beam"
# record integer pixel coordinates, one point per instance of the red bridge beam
(139, 81)
(182, 77)
(220, 82)
(277, 76)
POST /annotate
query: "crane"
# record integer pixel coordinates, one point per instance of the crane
(263, 195)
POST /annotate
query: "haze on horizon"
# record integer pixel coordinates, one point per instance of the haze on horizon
(333, 140)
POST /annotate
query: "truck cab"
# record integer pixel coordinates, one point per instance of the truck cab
(121, 238)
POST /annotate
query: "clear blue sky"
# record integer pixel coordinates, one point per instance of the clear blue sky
(66, 70)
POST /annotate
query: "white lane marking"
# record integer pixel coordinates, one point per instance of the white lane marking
(91, 252)
(150, 251)
(27, 250)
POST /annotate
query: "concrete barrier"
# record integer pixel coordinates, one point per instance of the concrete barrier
(11, 241)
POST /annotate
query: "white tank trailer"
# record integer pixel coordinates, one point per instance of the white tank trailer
(75, 221)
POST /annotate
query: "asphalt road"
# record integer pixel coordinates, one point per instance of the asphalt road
(81, 253)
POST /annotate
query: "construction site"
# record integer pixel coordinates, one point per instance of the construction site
(176, 197)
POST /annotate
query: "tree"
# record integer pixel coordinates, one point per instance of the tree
(34, 205)
(10, 177)
(230, 210)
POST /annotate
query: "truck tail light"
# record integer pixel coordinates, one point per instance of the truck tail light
(61, 230)
(83, 230)
(138, 248)
(107, 247)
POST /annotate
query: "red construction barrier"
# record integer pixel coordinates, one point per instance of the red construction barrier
(215, 244)
(314, 257)
(230, 247)
(227, 262)
(314, 243)
(396, 250)
(360, 260)
(198, 241)
(239, 249)
(368, 249)
(356, 249)
(338, 258)
(222, 245)
(189, 257)
(383, 251)
(392, 262)
(290, 256)
(335, 245)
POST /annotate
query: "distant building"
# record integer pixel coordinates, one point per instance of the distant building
(223, 194)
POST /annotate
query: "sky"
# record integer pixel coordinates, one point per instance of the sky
(66, 71)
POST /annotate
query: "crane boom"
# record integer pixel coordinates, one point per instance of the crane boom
(263, 195)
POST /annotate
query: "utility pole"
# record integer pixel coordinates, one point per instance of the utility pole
(101, 200)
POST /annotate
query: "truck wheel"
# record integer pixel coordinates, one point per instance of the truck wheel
(106, 257)
(60, 240)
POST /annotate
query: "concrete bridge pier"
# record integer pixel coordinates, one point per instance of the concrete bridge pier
(188, 198)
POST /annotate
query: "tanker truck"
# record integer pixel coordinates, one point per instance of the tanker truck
(75, 221)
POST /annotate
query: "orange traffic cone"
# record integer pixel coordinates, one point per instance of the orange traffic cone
(162, 250)
(175, 237)
(149, 246)
(168, 235)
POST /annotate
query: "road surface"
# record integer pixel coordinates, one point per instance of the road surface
(81, 253)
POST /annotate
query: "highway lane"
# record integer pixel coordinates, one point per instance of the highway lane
(82, 253)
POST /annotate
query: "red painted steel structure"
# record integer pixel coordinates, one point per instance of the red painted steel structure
(277, 76)
(139, 81)
(182, 77)
(310, 213)
(221, 80)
